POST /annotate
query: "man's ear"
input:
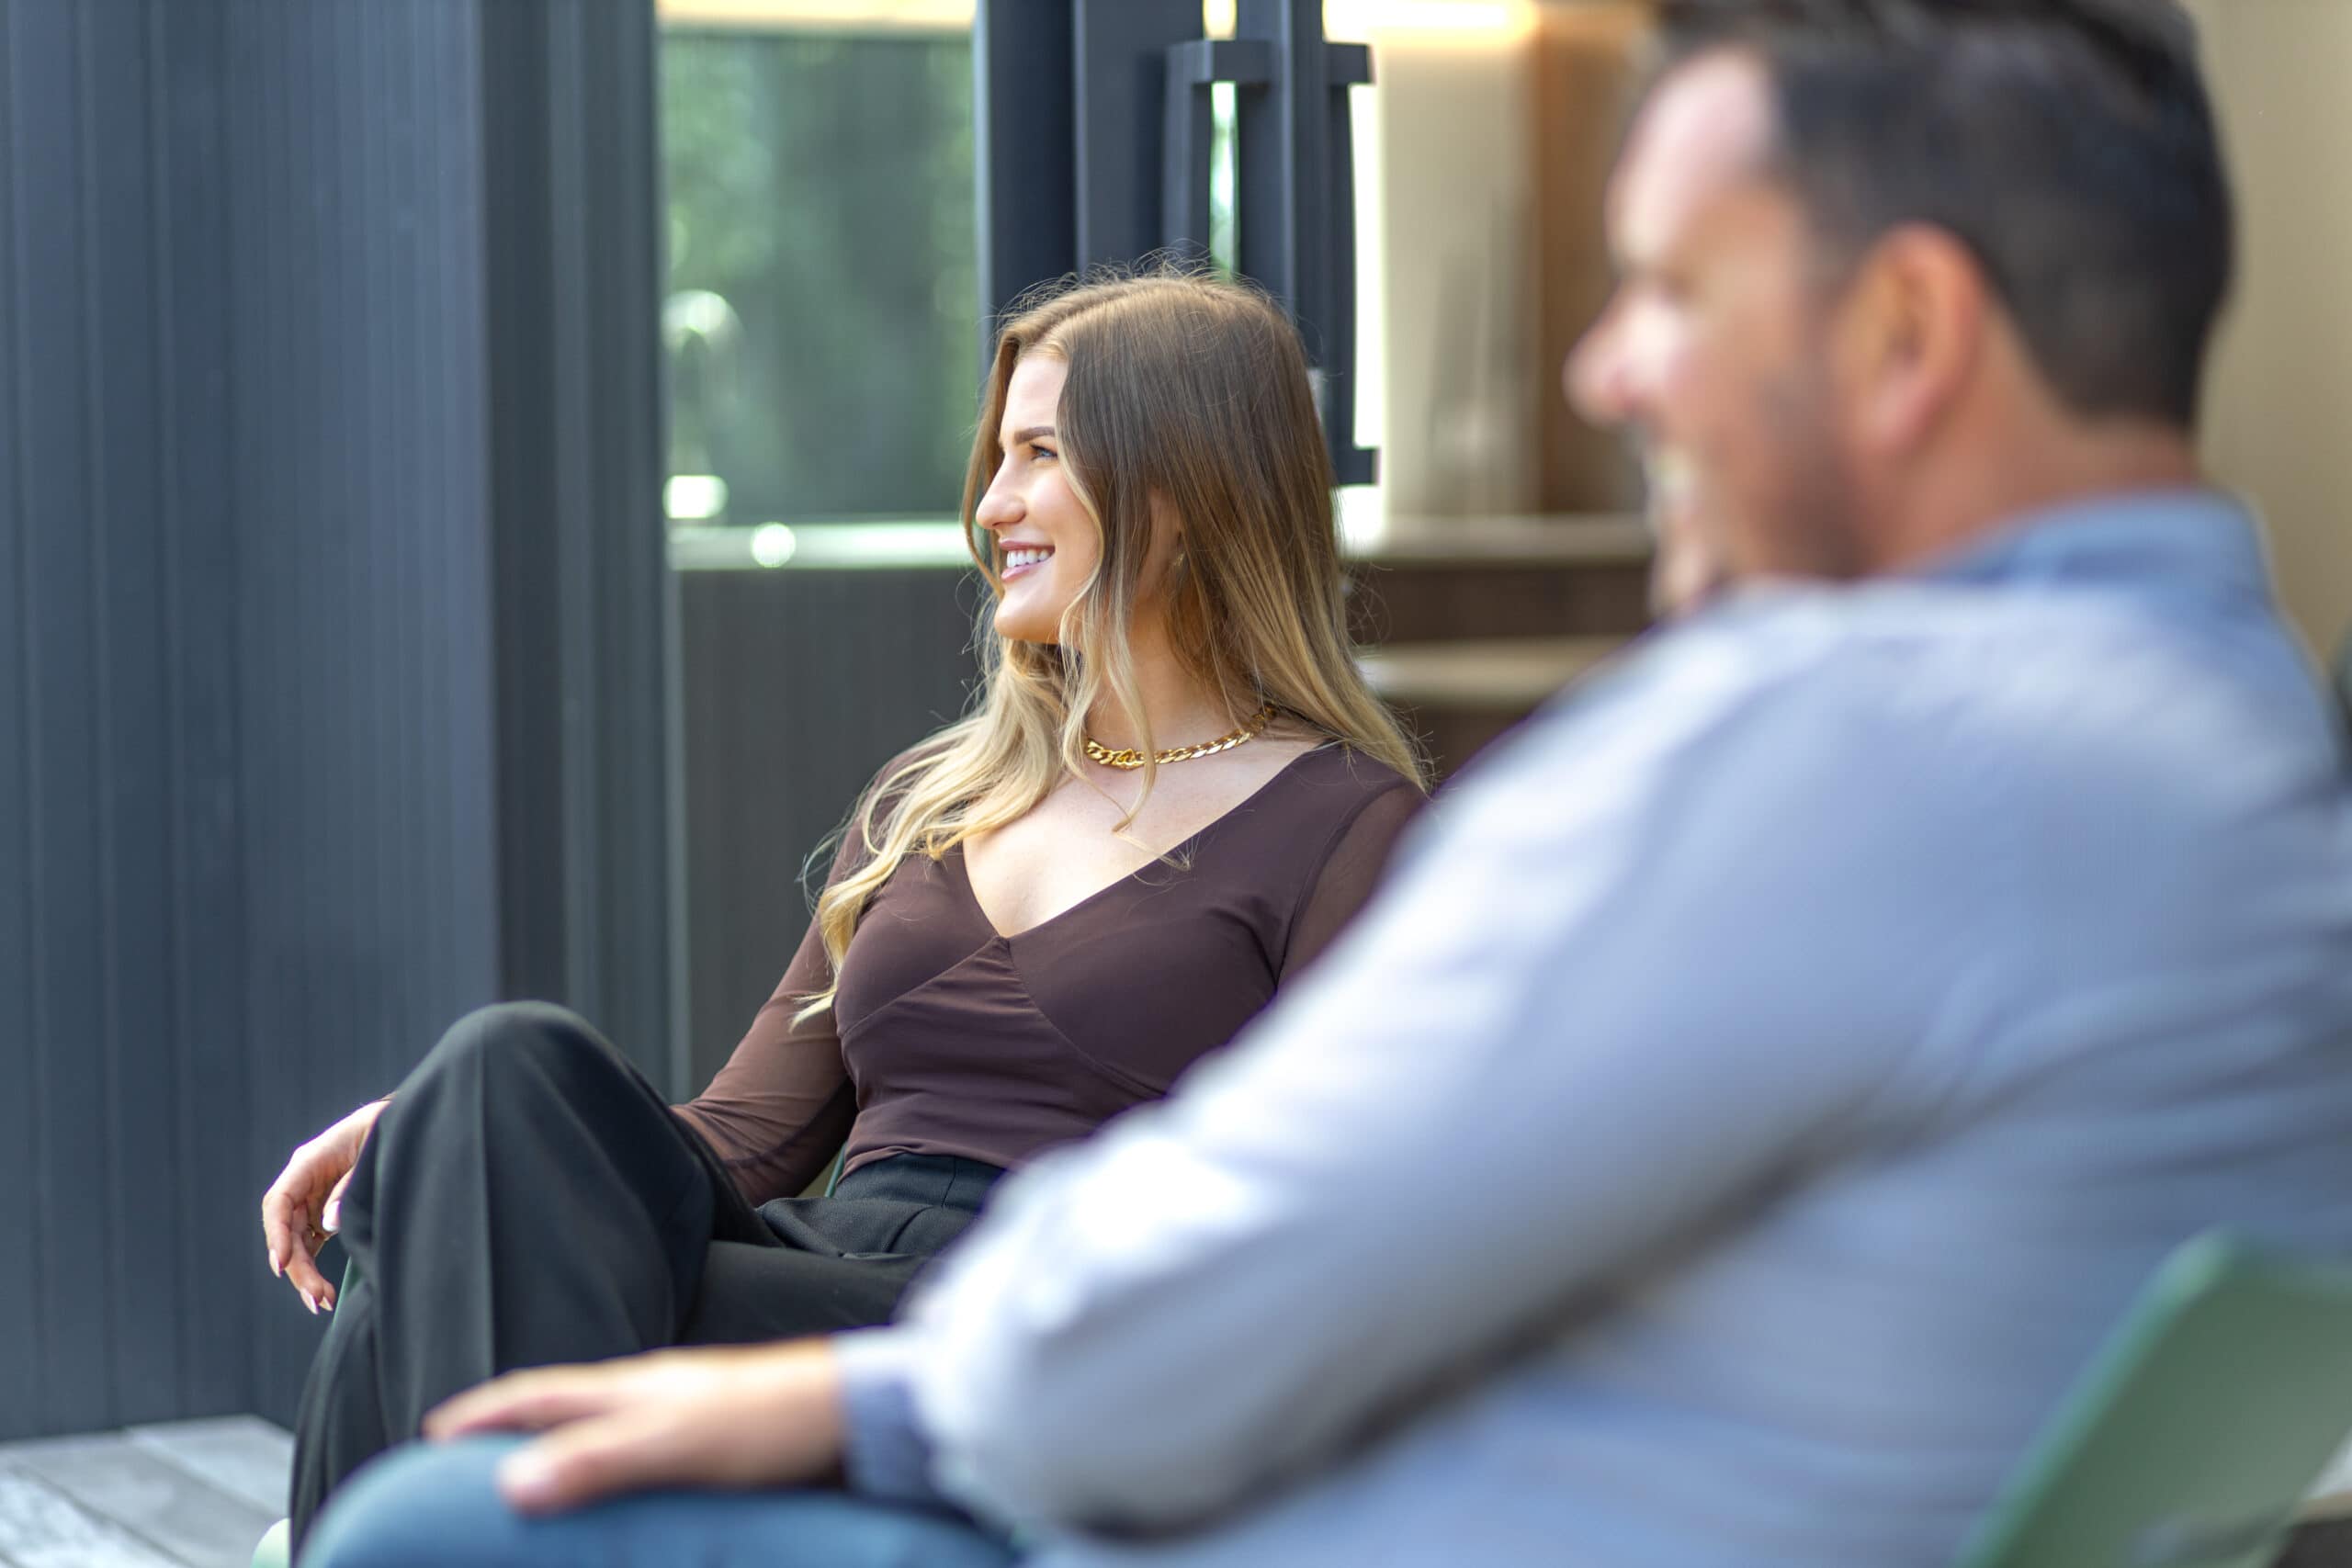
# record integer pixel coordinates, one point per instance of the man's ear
(1911, 336)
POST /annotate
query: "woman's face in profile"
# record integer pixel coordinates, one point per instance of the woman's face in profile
(1046, 546)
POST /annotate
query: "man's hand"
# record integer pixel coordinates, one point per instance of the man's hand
(726, 1418)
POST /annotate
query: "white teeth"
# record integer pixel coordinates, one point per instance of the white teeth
(1017, 559)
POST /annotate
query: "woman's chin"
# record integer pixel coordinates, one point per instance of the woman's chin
(1023, 614)
(1027, 628)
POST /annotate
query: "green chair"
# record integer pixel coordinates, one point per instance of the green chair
(2195, 1436)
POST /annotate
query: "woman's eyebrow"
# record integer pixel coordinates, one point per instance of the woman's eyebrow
(1023, 437)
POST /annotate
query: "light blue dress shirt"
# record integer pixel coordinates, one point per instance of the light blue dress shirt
(1759, 1087)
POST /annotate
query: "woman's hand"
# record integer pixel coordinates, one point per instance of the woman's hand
(718, 1416)
(300, 1211)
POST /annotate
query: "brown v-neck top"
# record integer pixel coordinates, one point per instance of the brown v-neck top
(947, 1038)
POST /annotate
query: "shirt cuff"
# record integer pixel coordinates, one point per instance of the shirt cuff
(884, 1452)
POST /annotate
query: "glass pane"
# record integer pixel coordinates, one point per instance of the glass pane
(822, 272)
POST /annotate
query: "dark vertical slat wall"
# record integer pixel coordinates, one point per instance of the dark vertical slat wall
(119, 445)
(361, 530)
(262, 697)
(586, 622)
(797, 685)
(205, 879)
(21, 1161)
(91, 743)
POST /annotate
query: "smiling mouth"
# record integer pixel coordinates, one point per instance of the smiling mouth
(1023, 559)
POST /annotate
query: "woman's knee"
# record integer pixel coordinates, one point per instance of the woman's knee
(534, 1040)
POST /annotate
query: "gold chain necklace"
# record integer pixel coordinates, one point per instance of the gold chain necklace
(1130, 759)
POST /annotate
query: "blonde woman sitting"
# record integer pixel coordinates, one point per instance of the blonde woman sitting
(1174, 790)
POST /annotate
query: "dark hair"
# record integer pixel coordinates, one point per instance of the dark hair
(2069, 144)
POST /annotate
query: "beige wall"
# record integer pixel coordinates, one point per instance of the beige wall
(2279, 405)
(1442, 232)
(1484, 148)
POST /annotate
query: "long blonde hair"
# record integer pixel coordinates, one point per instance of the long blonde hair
(1183, 392)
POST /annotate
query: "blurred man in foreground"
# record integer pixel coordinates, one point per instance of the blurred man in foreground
(1764, 1084)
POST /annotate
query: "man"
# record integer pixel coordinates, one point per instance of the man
(1755, 1096)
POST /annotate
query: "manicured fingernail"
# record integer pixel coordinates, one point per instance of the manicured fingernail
(332, 1221)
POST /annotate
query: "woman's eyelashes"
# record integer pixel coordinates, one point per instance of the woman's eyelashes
(1036, 455)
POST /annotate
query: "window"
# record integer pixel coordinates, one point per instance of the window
(822, 284)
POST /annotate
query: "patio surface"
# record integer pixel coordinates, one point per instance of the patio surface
(186, 1494)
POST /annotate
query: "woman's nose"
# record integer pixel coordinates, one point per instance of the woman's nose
(1000, 507)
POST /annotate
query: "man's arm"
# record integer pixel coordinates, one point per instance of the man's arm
(1664, 953)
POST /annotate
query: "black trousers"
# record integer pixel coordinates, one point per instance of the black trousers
(527, 1198)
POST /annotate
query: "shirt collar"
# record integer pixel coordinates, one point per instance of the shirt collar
(2200, 541)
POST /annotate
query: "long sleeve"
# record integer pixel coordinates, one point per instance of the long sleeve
(1592, 990)
(885, 1451)
(784, 1102)
(1351, 870)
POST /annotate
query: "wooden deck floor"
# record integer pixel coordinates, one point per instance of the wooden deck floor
(189, 1494)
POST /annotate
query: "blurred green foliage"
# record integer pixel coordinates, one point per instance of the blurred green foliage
(822, 187)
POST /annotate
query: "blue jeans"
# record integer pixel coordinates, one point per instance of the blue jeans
(437, 1506)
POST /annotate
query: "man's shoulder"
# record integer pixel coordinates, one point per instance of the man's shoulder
(1777, 660)
(1938, 687)
(1782, 705)
(1927, 651)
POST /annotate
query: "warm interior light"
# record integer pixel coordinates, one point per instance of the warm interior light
(1369, 18)
(1363, 18)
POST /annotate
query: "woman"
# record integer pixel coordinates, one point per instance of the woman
(1173, 792)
